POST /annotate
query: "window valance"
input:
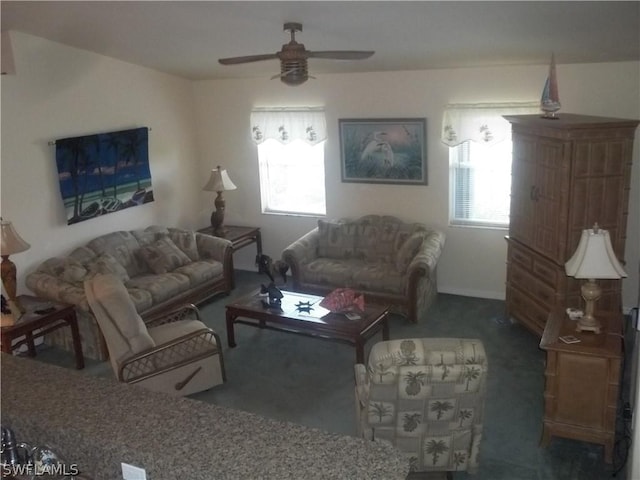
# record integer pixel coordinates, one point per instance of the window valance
(481, 122)
(286, 125)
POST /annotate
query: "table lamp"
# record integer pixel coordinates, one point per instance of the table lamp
(593, 259)
(11, 244)
(219, 182)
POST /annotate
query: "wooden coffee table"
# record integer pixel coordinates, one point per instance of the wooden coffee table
(318, 322)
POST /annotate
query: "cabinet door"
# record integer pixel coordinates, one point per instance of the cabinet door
(539, 197)
(523, 168)
(600, 189)
(551, 187)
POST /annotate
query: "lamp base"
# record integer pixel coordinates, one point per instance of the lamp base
(588, 325)
(591, 292)
(217, 217)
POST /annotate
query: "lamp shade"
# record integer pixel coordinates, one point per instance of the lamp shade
(219, 181)
(594, 258)
(11, 241)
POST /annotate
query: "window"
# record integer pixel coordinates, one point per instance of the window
(480, 183)
(291, 160)
(480, 152)
(292, 177)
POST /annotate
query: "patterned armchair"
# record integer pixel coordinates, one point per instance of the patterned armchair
(426, 397)
(178, 355)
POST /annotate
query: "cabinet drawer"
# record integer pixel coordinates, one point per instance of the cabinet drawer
(541, 292)
(518, 255)
(525, 310)
(537, 266)
(548, 272)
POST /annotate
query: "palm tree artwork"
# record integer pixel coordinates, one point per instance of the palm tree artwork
(440, 407)
(459, 458)
(445, 368)
(411, 421)
(103, 173)
(384, 368)
(464, 414)
(379, 411)
(415, 381)
(470, 373)
(435, 448)
(408, 355)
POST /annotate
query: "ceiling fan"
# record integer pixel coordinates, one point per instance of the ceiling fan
(293, 57)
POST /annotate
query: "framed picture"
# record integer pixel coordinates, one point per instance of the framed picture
(384, 150)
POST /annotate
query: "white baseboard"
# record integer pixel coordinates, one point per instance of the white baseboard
(463, 292)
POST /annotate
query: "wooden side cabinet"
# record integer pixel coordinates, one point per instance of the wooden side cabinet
(567, 174)
(582, 381)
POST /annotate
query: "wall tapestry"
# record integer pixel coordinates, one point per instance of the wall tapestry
(103, 173)
(386, 150)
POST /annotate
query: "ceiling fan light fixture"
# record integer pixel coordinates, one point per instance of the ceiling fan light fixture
(294, 73)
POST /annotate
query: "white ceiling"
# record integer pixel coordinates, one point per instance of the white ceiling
(186, 38)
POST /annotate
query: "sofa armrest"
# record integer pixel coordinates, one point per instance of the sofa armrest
(362, 384)
(301, 251)
(426, 260)
(215, 248)
(361, 397)
(50, 287)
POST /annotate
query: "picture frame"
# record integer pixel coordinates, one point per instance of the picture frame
(384, 150)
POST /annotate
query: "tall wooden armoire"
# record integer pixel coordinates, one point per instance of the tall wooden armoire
(567, 174)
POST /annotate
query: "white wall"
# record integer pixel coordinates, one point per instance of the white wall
(473, 262)
(59, 91)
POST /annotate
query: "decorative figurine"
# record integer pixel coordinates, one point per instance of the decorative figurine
(275, 296)
(550, 101)
(267, 266)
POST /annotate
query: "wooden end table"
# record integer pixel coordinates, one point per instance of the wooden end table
(582, 381)
(239, 236)
(60, 315)
(249, 310)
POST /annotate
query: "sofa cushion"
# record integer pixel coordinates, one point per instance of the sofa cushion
(376, 238)
(105, 264)
(162, 287)
(163, 256)
(201, 271)
(329, 271)
(337, 239)
(408, 251)
(123, 247)
(83, 254)
(65, 268)
(186, 241)
(379, 277)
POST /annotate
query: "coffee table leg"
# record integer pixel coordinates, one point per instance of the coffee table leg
(231, 337)
(385, 328)
(31, 346)
(360, 351)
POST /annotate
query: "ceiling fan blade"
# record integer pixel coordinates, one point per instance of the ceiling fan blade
(342, 54)
(247, 59)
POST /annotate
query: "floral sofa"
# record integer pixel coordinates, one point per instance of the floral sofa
(161, 268)
(390, 261)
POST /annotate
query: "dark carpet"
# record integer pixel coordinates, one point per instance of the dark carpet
(310, 381)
